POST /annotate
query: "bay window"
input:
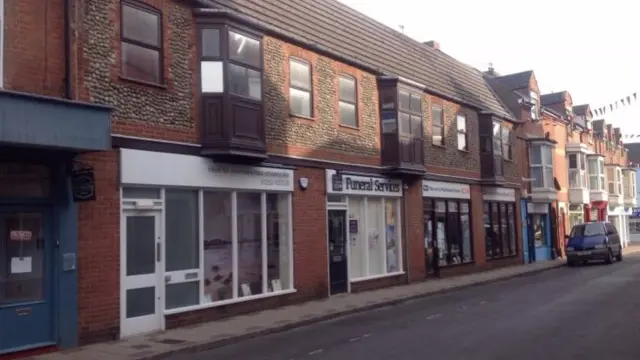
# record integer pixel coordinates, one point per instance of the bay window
(614, 180)
(596, 173)
(541, 162)
(497, 149)
(577, 171)
(231, 66)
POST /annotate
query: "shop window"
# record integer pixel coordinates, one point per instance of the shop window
(278, 243)
(447, 226)
(499, 226)
(182, 244)
(218, 246)
(249, 228)
(576, 216)
(374, 237)
(358, 268)
(634, 226)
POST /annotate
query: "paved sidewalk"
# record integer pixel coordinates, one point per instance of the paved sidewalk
(219, 333)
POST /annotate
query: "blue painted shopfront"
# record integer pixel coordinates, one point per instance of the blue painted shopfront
(39, 143)
(536, 231)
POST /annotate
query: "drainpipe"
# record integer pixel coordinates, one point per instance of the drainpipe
(67, 48)
(405, 230)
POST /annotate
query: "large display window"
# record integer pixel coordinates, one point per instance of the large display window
(447, 227)
(500, 219)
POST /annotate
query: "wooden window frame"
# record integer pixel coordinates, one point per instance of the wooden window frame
(159, 48)
(462, 131)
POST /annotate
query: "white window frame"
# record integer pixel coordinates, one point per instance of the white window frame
(618, 174)
(546, 183)
(179, 276)
(461, 126)
(600, 175)
(579, 170)
(292, 87)
(1, 44)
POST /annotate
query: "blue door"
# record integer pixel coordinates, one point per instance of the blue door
(26, 279)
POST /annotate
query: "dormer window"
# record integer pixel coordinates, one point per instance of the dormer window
(534, 107)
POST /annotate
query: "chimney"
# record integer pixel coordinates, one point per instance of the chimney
(432, 44)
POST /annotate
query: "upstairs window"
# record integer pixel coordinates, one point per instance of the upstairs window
(577, 171)
(410, 114)
(619, 180)
(507, 149)
(300, 97)
(611, 180)
(541, 161)
(596, 173)
(348, 101)
(461, 125)
(245, 58)
(437, 125)
(141, 42)
(534, 108)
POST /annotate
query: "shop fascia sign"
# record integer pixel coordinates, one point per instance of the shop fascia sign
(142, 167)
(439, 189)
(362, 185)
(499, 194)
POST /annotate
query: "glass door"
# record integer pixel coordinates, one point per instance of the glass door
(142, 266)
(26, 280)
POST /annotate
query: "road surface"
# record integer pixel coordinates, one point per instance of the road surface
(590, 312)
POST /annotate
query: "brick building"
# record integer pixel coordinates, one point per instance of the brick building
(211, 158)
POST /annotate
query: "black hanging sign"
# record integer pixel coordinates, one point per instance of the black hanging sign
(83, 185)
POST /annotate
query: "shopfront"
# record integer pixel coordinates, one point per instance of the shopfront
(197, 234)
(634, 225)
(619, 217)
(364, 229)
(41, 180)
(500, 222)
(448, 238)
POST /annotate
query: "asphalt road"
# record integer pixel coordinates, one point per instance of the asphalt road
(590, 312)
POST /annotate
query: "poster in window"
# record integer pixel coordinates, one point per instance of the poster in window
(389, 122)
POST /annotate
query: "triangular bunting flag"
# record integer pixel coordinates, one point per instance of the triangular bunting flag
(611, 106)
(628, 99)
(622, 101)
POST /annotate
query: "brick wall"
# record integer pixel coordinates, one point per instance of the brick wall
(99, 253)
(447, 159)
(166, 111)
(34, 46)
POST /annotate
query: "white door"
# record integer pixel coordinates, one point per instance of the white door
(141, 298)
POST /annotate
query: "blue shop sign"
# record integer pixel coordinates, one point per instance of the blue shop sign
(635, 213)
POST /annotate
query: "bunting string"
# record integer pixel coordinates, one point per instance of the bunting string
(615, 105)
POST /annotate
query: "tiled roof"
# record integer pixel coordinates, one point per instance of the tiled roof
(634, 152)
(516, 81)
(505, 88)
(341, 30)
(580, 109)
(553, 98)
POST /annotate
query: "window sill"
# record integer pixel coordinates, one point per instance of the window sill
(374, 277)
(142, 82)
(464, 151)
(228, 302)
(302, 117)
(349, 127)
(438, 146)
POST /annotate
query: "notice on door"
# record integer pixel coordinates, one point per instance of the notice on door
(20, 235)
(21, 265)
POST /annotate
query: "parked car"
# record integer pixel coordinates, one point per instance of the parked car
(598, 240)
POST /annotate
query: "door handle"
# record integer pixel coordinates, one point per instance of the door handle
(158, 252)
